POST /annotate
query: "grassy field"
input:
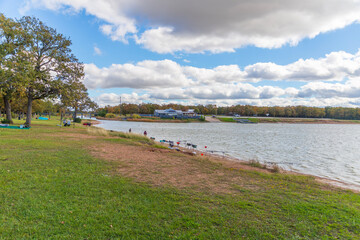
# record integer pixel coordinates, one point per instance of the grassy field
(53, 187)
(226, 119)
(231, 119)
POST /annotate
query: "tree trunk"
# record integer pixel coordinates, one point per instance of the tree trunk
(8, 109)
(61, 117)
(75, 113)
(29, 111)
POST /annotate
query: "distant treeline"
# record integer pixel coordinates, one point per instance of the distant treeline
(243, 110)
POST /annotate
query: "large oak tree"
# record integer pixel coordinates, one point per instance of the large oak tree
(51, 63)
(13, 43)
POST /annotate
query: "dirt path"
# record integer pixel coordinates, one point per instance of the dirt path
(211, 119)
(165, 167)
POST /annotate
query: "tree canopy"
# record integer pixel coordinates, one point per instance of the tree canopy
(36, 62)
(13, 42)
(243, 110)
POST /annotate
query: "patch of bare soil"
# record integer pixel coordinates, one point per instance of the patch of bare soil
(94, 122)
(338, 184)
(161, 167)
(211, 119)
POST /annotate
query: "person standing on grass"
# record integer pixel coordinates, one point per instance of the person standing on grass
(130, 130)
(145, 133)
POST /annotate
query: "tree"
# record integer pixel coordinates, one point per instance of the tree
(13, 41)
(50, 62)
(73, 93)
(43, 106)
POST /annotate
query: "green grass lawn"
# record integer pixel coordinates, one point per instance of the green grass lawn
(230, 119)
(52, 188)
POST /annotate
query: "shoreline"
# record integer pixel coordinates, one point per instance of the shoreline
(270, 168)
(265, 167)
(290, 120)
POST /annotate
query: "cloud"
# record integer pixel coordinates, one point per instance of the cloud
(350, 89)
(333, 67)
(333, 80)
(212, 25)
(149, 74)
(97, 51)
(114, 99)
(143, 75)
(317, 94)
(234, 91)
(113, 12)
(225, 73)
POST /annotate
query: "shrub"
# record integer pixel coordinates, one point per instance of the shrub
(202, 118)
(5, 121)
(102, 113)
(275, 168)
(77, 120)
(110, 115)
(257, 164)
(136, 116)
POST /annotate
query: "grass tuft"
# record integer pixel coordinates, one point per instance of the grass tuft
(275, 168)
(97, 131)
(257, 164)
(132, 136)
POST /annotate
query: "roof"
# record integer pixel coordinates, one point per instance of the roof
(190, 111)
(169, 111)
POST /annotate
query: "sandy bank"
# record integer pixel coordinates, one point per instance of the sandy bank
(183, 169)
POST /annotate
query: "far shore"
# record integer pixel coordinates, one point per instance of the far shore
(233, 120)
(289, 120)
(150, 120)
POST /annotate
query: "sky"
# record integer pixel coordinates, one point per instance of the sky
(223, 52)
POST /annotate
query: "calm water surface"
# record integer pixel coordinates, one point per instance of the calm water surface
(324, 150)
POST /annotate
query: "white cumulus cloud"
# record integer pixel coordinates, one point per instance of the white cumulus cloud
(212, 25)
(336, 66)
(97, 51)
(333, 80)
(145, 74)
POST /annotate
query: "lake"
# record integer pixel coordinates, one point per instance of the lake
(326, 150)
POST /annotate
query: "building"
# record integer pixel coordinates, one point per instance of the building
(168, 113)
(171, 113)
(190, 113)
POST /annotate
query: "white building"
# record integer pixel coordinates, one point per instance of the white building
(171, 113)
